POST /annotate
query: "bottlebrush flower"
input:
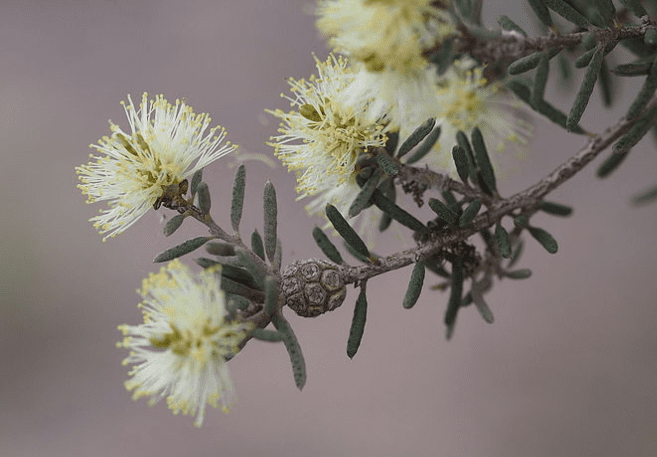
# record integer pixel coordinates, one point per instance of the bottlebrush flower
(179, 351)
(166, 144)
(322, 137)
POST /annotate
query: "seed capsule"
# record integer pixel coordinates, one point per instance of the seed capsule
(313, 287)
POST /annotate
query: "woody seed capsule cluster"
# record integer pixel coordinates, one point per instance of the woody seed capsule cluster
(313, 287)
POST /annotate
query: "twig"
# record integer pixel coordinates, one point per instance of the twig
(527, 199)
(511, 46)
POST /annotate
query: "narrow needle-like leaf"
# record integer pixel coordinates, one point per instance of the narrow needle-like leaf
(415, 137)
(503, 241)
(444, 212)
(326, 246)
(507, 24)
(196, 180)
(346, 231)
(293, 349)
(271, 217)
(425, 147)
(461, 161)
(414, 286)
(566, 11)
(357, 324)
(271, 295)
(584, 94)
(455, 295)
(556, 209)
(538, 90)
(204, 201)
(646, 92)
(387, 164)
(646, 196)
(237, 203)
(480, 303)
(470, 212)
(256, 244)
(463, 142)
(541, 11)
(482, 159)
(173, 224)
(519, 274)
(545, 239)
(182, 249)
(388, 207)
(365, 194)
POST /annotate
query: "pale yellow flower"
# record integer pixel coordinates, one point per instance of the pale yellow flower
(465, 99)
(339, 194)
(179, 351)
(402, 99)
(385, 35)
(322, 137)
(165, 145)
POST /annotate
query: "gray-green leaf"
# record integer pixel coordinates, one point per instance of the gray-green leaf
(237, 203)
(545, 239)
(503, 241)
(414, 286)
(173, 224)
(444, 212)
(346, 231)
(415, 137)
(470, 212)
(204, 201)
(271, 216)
(357, 324)
(327, 247)
(293, 349)
(182, 249)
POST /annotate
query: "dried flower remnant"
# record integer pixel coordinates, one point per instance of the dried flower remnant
(141, 169)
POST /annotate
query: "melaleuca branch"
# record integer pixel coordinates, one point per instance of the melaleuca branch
(186, 208)
(255, 313)
(526, 201)
(510, 46)
(416, 180)
(346, 153)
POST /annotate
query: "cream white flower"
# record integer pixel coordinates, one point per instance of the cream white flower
(179, 351)
(165, 145)
(385, 34)
(405, 100)
(464, 100)
(322, 137)
(386, 42)
(339, 194)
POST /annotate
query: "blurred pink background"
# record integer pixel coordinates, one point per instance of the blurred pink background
(568, 367)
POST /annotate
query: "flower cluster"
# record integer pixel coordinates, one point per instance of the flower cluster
(387, 41)
(165, 145)
(378, 80)
(384, 83)
(179, 352)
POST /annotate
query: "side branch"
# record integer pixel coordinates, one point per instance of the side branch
(510, 46)
(526, 200)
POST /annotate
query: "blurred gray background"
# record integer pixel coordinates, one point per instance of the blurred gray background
(568, 368)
